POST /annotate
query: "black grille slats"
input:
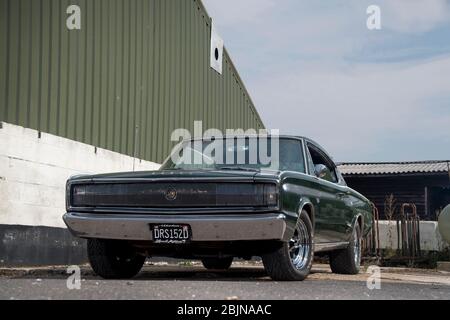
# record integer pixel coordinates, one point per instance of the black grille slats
(164, 194)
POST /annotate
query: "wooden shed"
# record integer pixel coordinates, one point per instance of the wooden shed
(390, 184)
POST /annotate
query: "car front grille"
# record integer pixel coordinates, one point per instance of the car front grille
(164, 194)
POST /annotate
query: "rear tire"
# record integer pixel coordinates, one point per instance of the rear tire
(217, 263)
(348, 261)
(292, 261)
(114, 259)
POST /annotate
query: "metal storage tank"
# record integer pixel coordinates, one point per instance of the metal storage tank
(135, 71)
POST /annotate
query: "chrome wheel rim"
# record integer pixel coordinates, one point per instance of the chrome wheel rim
(300, 246)
(356, 248)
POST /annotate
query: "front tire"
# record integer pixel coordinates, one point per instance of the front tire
(292, 261)
(348, 260)
(114, 259)
(217, 263)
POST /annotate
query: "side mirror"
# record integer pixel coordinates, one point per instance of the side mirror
(322, 172)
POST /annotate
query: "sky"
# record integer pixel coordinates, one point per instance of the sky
(313, 68)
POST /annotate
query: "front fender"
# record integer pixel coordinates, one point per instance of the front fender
(295, 195)
(363, 210)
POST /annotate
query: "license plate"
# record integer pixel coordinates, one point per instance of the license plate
(171, 233)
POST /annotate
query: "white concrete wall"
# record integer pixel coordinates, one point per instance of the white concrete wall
(33, 173)
(430, 238)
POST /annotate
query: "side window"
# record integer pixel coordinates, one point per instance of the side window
(340, 178)
(318, 158)
(291, 155)
(311, 170)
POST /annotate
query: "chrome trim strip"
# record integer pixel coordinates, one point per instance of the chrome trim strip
(173, 211)
(230, 227)
(328, 246)
(164, 179)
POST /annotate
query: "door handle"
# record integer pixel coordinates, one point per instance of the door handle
(342, 194)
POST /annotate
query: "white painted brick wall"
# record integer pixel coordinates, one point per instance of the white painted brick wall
(33, 173)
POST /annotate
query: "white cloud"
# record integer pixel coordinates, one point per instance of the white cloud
(353, 112)
(413, 16)
(238, 11)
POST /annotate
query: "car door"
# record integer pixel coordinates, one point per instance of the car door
(334, 214)
(350, 201)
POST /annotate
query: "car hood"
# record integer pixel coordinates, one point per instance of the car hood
(182, 175)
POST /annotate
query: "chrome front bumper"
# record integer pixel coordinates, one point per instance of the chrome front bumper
(231, 227)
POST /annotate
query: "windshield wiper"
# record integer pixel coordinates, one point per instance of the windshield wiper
(238, 168)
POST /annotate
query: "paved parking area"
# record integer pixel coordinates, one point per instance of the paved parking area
(242, 281)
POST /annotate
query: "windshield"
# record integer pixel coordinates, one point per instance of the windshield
(249, 153)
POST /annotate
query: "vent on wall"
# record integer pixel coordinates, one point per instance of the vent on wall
(216, 53)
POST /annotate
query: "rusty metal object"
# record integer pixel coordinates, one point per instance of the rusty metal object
(375, 219)
(371, 243)
(408, 231)
(408, 234)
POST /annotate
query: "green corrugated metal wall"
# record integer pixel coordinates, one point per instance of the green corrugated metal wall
(134, 63)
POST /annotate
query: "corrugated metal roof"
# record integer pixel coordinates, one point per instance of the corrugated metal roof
(375, 168)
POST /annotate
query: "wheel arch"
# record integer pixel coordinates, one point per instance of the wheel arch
(309, 208)
(359, 219)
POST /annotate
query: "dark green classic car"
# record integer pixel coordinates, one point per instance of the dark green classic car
(215, 199)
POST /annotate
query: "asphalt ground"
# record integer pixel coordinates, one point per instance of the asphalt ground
(241, 282)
